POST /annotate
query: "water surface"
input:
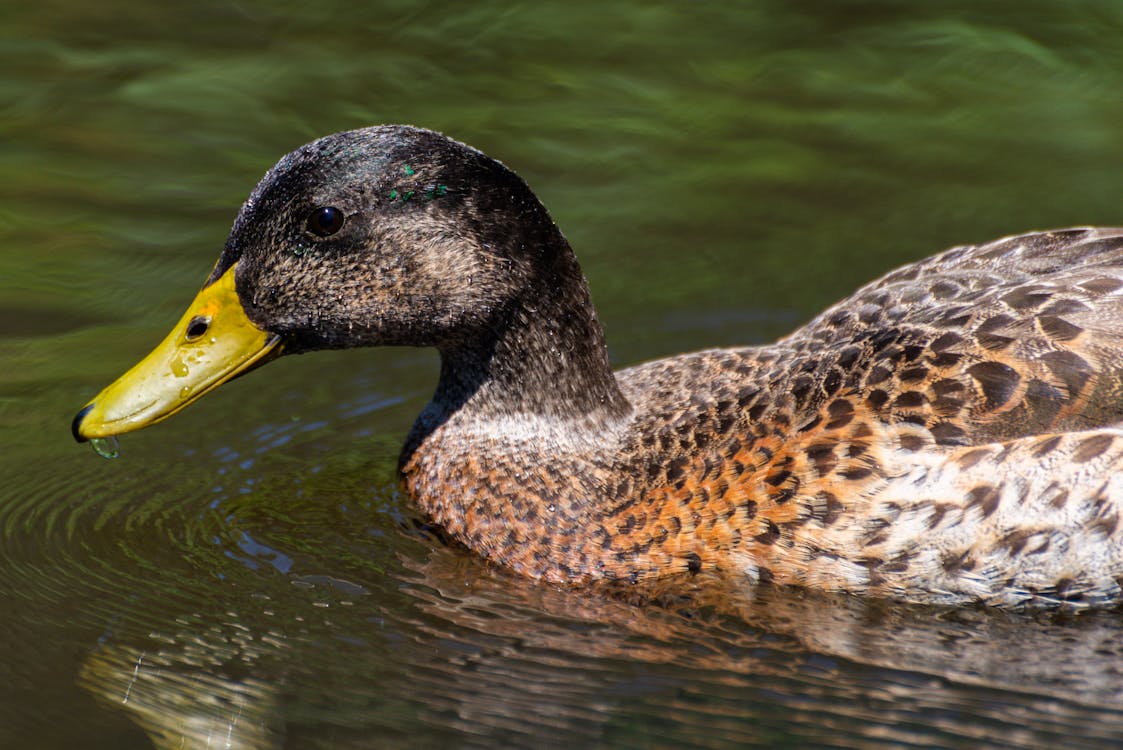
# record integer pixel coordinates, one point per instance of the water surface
(248, 573)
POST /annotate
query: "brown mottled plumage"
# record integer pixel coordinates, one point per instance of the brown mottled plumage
(942, 435)
(947, 434)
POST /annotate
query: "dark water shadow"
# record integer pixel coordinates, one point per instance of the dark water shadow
(478, 658)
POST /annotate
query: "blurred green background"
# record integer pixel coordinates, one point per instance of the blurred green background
(723, 170)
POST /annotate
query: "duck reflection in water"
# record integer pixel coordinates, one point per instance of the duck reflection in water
(486, 653)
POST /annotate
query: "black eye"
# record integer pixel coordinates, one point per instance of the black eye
(325, 221)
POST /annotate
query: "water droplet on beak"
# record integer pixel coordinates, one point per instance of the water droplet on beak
(107, 447)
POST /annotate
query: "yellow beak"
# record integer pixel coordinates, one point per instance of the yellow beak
(213, 342)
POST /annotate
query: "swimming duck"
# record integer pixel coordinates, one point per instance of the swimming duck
(946, 434)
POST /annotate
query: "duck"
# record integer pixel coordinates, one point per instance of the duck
(949, 434)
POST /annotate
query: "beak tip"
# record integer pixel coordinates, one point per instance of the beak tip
(76, 425)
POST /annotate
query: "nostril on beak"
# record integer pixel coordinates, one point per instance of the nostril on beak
(76, 425)
(197, 327)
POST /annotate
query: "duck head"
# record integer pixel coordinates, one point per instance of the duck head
(386, 235)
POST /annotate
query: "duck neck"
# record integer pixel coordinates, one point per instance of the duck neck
(524, 412)
(544, 356)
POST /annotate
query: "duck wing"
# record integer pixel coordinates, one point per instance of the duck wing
(943, 435)
(1020, 336)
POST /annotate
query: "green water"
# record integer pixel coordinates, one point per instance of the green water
(249, 573)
